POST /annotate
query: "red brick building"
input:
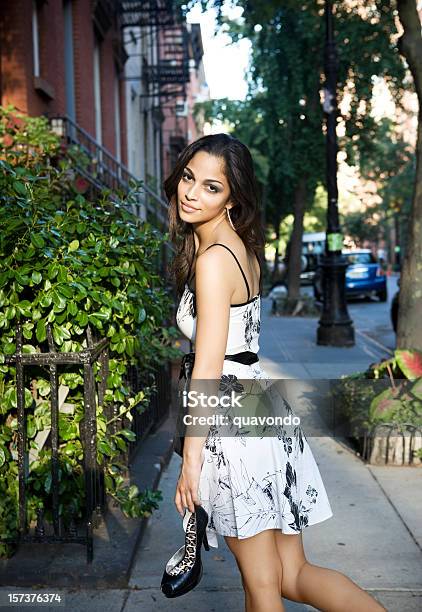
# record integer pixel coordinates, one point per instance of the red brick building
(125, 74)
(65, 57)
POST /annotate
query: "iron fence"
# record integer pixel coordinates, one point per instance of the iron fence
(97, 350)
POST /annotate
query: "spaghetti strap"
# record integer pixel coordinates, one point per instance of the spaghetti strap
(260, 272)
(237, 261)
(189, 271)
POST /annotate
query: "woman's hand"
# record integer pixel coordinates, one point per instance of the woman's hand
(187, 485)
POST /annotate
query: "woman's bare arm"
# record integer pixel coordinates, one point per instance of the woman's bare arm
(213, 296)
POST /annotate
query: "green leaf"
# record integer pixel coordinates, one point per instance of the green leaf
(120, 444)
(10, 312)
(65, 333)
(24, 308)
(133, 491)
(72, 308)
(82, 318)
(417, 389)
(62, 276)
(73, 246)
(2, 457)
(37, 241)
(141, 315)
(29, 349)
(36, 315)
(27, 332)
(52, 270)
(65, 290)
(130, 346)
(129, 434)
(46, 300)
(105, 448)
(51, 317)
(47, 483)
(19, 188)
(57, 336)
(58, 300)
(36, 277)
(41, 331)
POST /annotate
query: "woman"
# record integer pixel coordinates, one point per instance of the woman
(259, 493)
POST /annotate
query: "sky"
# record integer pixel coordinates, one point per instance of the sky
(225, 64)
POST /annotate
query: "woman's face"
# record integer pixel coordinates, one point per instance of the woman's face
(203, 190)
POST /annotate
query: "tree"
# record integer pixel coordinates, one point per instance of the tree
(391, 167)
(287, 71)
(409, 332)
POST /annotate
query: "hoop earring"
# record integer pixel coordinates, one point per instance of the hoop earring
(230, 220)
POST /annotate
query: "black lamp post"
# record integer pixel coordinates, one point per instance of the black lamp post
(335, 326)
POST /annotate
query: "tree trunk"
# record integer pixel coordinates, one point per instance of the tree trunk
(409, 332)
(295, 254)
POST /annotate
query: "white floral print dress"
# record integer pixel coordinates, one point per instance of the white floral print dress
(249, 484)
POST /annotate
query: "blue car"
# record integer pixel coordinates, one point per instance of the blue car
(364, 276)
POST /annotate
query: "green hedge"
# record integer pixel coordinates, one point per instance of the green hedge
(71, 262)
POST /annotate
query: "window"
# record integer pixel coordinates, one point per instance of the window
(360, 258)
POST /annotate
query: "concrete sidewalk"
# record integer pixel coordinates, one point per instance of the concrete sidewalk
(374, 537)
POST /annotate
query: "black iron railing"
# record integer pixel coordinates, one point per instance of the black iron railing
(146, 422)
(102, 169)
(93, 474)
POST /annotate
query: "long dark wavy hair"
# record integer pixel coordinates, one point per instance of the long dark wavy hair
(244, 192)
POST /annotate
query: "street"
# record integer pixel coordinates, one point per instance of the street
(371, 318)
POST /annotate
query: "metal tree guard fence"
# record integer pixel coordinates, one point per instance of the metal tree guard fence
(391, 442)
(93, 474)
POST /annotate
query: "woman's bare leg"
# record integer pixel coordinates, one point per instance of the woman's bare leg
(259, 564)
(323, 588)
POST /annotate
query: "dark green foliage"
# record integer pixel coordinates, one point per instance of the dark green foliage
(71, 262)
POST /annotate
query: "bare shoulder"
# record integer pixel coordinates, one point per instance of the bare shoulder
(213, 270)
(211, 260)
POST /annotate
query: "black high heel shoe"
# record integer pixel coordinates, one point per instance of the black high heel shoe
(184, 569)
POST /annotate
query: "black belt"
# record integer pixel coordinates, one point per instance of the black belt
(188, 361)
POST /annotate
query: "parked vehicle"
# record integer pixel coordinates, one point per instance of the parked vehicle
(313, 245)
(364, 276)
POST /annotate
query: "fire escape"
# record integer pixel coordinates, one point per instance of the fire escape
(166, 76)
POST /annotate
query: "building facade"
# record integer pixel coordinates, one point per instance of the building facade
(123, 74)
